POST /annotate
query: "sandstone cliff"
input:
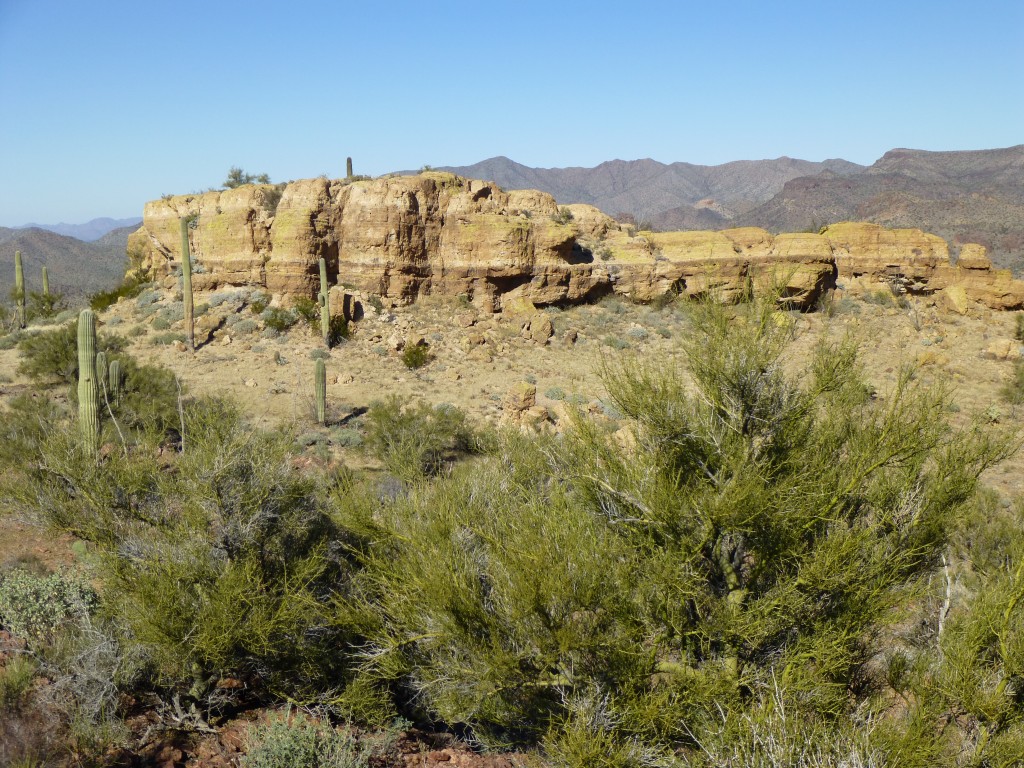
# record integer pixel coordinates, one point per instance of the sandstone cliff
(436, 233)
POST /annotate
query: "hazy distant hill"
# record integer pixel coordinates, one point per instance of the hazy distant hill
(970, 196)
(973, 196)
(91, 230)
(644, 188)
(75, 267)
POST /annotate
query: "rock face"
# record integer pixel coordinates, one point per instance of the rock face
(404, 237)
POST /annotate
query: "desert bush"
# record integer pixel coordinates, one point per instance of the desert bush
(1013, 390)
(44, 305)
(160, 324)
(564, 216)
(415, 356)
(308, 311)
(225, 565)
(278, 319)
(36, 607)
(762, 532)
(258, 302)
(167, 338)
(105, 299)
(16, 678)
(416, 439)
(52, 356)
(288, 739)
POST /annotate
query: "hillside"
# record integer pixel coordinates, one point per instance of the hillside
(969, 196)
(643, 188)
(75, 267)
(90, 230)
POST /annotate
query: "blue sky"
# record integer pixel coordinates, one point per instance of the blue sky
(106, 105)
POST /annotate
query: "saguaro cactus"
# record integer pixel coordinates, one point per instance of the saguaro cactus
(88, 396)
(324, 300)
(348, 167)
(320, 388)
(46, 284)
(19, 288)
(186, 285)
(114, 381)
(101, 370)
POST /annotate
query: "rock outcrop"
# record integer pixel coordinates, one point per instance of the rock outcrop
(403, 237)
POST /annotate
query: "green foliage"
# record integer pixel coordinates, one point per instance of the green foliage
(279, 319)
(564, 216)
(36, 607)
(416, 439)
(288, 740)
(308, 311)
(16, 678)
(1018, 333)
(44, 305)
(52, 356)
(1013, 390)
(415, 356)
(764, 533)
(237, 177)
(223, 565)
(128, 289)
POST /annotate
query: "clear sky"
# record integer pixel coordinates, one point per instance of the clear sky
(107, 104)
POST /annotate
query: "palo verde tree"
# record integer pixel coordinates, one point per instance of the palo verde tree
(237, 177)
(746, 544)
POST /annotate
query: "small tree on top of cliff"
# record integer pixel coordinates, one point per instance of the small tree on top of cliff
(237, 177)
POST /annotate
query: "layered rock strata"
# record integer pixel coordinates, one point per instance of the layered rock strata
(410, 236)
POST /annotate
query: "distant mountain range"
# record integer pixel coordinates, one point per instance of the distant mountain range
(75, 267)
(90, 231)
(970, 196)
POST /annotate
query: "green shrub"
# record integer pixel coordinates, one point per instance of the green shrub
(258, 302)
(415, 355)
(309, 311)
(765, 532)
(160, 324)
(53, 355)
(106, 299)
(167, 338)
(16, 677)
(1013, 390)
(1019, 328)
(288, 740)
(219, 566)
(416, 439)
(615, 342)
(36, 607)
(564, 216)
(339, 330)
(278, 319)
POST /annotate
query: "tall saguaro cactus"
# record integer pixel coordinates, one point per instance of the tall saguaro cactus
(348, 167)
(324, 300)
(46, 284)
(320, 388)
(88, 395)
(19, 288)
(186, 284)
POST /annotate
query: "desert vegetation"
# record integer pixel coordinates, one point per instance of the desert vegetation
(739, 563)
